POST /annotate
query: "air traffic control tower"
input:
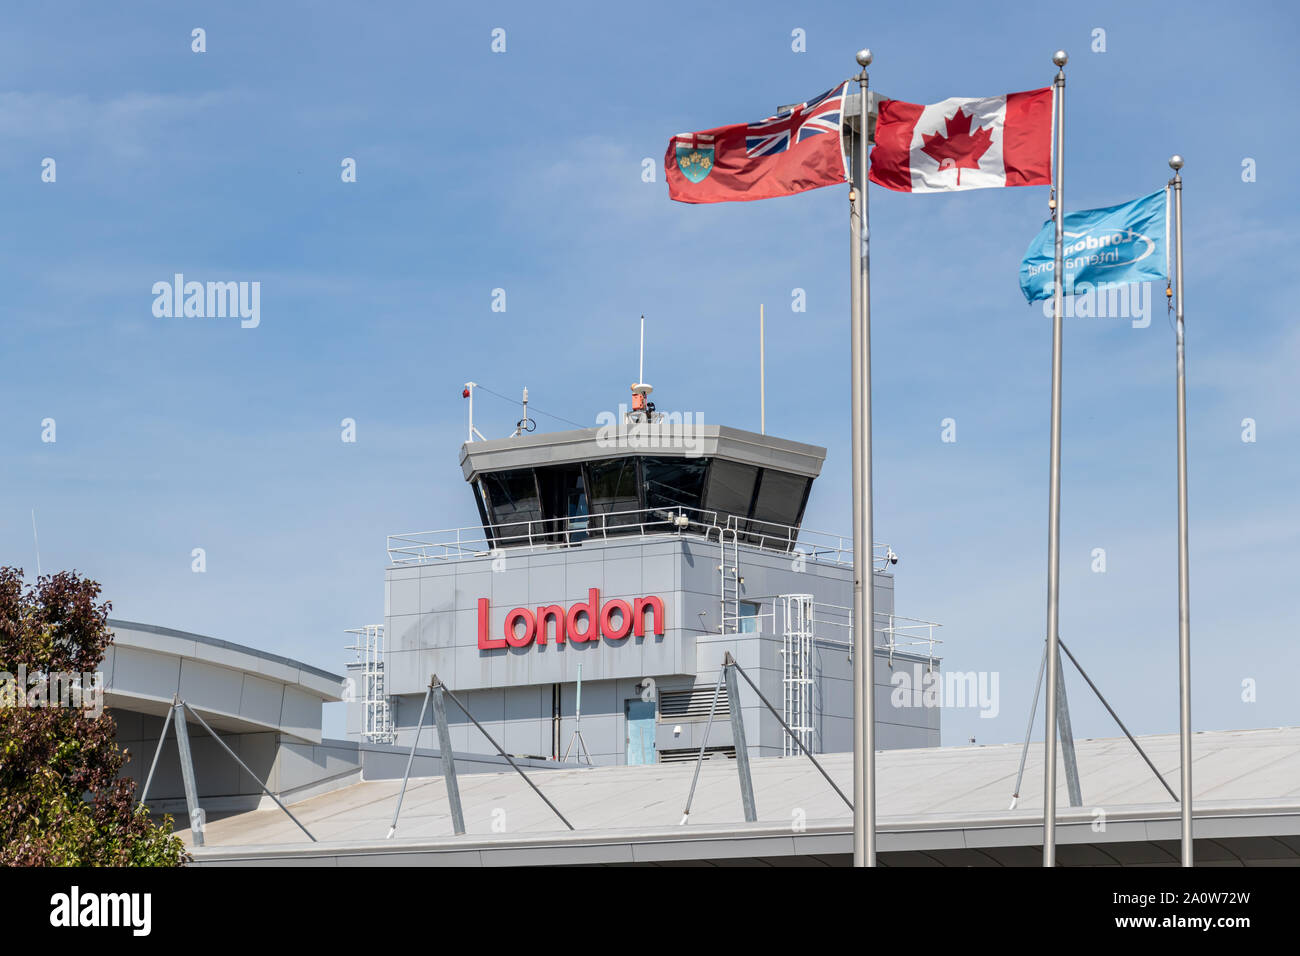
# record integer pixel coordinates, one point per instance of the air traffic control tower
(614, 567)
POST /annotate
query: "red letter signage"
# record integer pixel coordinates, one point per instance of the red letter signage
(584, 621)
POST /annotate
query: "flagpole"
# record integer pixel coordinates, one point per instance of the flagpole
(864, 655)
(1054, 492)
(1184, 585)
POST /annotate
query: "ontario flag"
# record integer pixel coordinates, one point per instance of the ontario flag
(964, 143)
(796, 150)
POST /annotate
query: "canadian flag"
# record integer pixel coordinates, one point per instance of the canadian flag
(964, 143)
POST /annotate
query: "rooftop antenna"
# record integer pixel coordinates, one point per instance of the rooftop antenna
(524, 424)
(38, 544)
(642, 408)
(762, 375)
(577, 729)
(469, 394)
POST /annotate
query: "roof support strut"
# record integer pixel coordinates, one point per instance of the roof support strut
(176, 713)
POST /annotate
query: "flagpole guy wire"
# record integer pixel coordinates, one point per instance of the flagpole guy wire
(864, 712)
(1060, 58)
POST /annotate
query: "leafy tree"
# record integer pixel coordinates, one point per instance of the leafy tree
(62, 801)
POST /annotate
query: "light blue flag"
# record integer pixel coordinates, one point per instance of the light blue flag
(1102, 247)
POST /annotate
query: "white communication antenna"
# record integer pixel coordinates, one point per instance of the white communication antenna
(38, 544)
(642, 407)
(582, 753)
(762, 375)
(524, 424)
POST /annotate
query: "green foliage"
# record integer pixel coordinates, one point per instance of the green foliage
(62, 802)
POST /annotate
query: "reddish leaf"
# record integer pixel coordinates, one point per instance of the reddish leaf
(959, 149)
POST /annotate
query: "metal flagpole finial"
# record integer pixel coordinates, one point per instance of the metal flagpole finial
(1060, 58)
(1175, 162)
(864, 58)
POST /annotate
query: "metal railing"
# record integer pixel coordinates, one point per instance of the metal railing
(910, 635)
(833, 625)
(534, 534)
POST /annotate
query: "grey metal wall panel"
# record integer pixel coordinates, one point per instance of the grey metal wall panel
(145, 673)
(301, 715)
(261, 700)
(218, 688)
(682, 571)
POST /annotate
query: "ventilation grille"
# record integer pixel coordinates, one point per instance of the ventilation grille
(681, 756)
(692, 704)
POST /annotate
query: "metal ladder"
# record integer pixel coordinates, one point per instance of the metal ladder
(729, 581)
(797, 677)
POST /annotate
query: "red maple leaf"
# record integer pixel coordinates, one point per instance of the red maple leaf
(960, 148)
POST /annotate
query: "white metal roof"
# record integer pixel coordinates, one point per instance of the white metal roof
(1247, 786)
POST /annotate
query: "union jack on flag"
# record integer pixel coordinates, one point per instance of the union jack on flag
(779, 156)
(821, 114)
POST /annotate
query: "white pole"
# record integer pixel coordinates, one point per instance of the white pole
(1054, 491)
(762, 375)
(864, 656)
(37, 542)
(640, 372)
(469, 387)
(1184, 582)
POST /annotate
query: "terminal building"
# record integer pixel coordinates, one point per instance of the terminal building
(625, 564)
(587, 615)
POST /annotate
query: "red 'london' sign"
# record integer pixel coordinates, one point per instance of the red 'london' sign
(616, 619)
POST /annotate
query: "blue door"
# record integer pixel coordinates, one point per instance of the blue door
(640, 731)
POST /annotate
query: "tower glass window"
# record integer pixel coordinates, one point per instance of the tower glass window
(674, 482)
(564, 503)
(779, 504)
(516, 506)
(731, 488)
(612, 488)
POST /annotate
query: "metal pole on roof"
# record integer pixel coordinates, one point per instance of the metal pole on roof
(1068, 759)
(501, 751)
(419, 726)
(1111, 711)
(187, 773)
(762, 374)
(864, 614)
(267, 790)
(577, 730)
(794, 736)
(1033, 710)
(448, 758)
(738, 738)
(699, 761)
(148, 781)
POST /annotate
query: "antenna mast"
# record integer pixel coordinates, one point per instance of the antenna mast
(37, 542)
(469, 394)
(643, 410)
(762, 375)
(524, 424)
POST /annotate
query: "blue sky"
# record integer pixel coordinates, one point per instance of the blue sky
(522, 170)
